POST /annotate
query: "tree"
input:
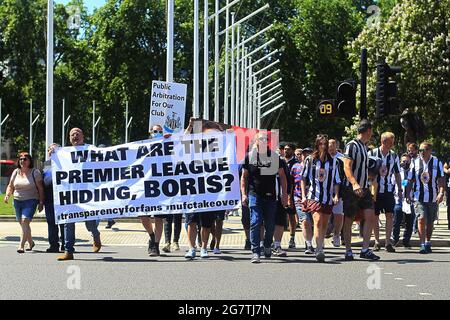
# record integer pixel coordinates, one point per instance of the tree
(415, 37)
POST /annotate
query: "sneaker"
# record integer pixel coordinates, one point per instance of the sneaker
(248, 245)
(217, 251)
(279, 252)
(212, 244)
(166, 248)
(390, 248)
(110, 224)
(320, 257)
(153, 251)
(376, 247)
(423, 250)
(369, 255)
(292, 244)
(428, 248)
(53, 250)
(203, 253)
(336, 241)
(309, 250)
(349, 256)
(255, 258)
(267, 253)
(190, 255)
(176, 246)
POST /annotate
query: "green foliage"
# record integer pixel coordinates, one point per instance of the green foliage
(414, 36)
(120, 49)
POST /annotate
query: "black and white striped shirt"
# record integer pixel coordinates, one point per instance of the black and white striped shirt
(357, 151)
(390, 165)
(322, 177)
(425, 178)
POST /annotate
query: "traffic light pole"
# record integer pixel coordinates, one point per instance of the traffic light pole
(363, 107)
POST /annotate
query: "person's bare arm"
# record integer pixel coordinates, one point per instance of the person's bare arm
(398, 180)
(244, 182)
(283, 182)
(348, 163)
(40, 187)
(441, 183)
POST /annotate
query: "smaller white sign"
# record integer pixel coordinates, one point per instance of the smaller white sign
(168, 106)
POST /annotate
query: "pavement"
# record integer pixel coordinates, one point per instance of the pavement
(129, 232)
(122, 270)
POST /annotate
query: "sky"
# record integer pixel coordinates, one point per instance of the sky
(90, 4)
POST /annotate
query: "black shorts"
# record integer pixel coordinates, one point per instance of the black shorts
(353, 203)
(385, 203)
(219, 215)
(281, 215)
(203, 219)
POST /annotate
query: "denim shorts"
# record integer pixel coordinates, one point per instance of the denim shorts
(25, 209)
(304, 216)
(426, 210)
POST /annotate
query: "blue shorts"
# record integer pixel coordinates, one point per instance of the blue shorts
(25, 209)
(302, 216)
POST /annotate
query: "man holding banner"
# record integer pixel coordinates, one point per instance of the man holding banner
(76, 137)
(259, 174)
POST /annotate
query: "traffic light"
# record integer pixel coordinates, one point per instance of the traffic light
(386, 91)
(346, 99)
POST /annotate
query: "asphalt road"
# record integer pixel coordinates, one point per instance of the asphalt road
(121, 272)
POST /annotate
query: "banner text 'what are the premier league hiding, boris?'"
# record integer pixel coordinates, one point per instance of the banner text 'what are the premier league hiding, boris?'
(191, 173)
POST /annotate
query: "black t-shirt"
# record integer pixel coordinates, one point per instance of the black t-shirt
(262, 185)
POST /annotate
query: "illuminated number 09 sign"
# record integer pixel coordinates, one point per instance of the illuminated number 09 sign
(325, 108)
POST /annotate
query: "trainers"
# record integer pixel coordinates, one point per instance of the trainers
(152, 251)
(203, 253)
(390, 248)
(428, 248)
(279, 252)
(176, 246)
(212, 244)
(369, 255)
(292, 244)
(336, 241)
(349, 256)
(267, 253)
(217, 251)
(110, 224)
(190, 254)
(53, 250)
(320, 257)
(255, 258)
(309, 250)
(248, 245)
(407, 245)
(166, 248)
(376, 247)
(423, 250)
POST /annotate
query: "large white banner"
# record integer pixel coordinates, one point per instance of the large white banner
(188, 173)
(168, 106)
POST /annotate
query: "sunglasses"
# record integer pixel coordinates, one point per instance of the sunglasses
(262, 139)
(423, 150)
(157, 131)
(23, 159)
